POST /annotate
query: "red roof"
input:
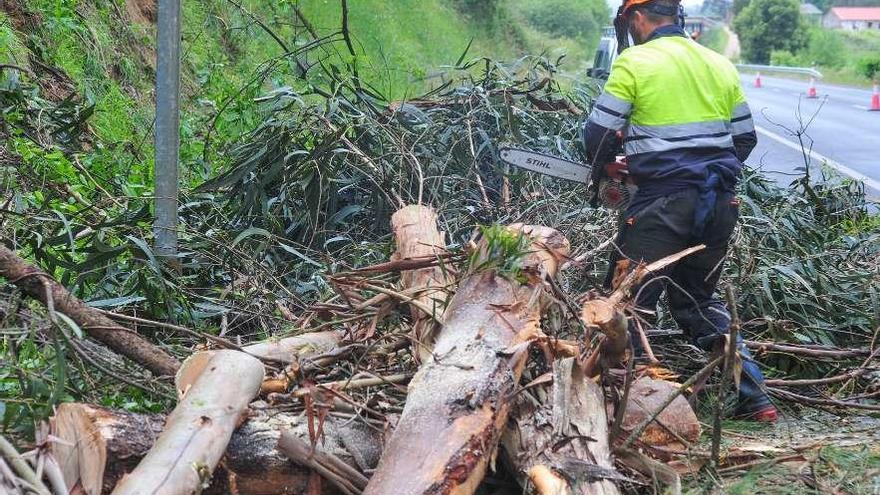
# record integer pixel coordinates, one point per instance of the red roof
(857, 13)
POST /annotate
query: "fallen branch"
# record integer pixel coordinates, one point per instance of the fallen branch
(349, 480)
(808, 351)
(803, 399)
(816, 381)
(216, 387)
(21, 467)
(39, 285)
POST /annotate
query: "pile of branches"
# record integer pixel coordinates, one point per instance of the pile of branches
(500, 332)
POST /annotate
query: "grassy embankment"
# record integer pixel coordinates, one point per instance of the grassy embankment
(836, 53)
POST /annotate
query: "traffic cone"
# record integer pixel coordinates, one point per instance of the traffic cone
(758, 80)
(811, 92)
(875, 99)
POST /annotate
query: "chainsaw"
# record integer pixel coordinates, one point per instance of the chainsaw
(615, 189)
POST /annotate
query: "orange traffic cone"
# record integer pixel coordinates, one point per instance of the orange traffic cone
(811, 92)
(758, 80)
(875, 99)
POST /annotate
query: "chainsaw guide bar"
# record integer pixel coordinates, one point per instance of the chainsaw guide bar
(545, 164)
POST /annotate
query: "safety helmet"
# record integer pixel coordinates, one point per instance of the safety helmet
(630, 4)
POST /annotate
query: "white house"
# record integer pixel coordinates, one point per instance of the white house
(811, 12)
(852, 18)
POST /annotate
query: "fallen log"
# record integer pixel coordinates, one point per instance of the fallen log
(560, 444)
(458, 401)
(292, 349)
(416, 236)
(41, 286)
(96, 446)
(216, 387)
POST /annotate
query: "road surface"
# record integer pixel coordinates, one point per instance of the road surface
(839, 128)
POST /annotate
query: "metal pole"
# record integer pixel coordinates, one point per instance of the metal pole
(167, 136)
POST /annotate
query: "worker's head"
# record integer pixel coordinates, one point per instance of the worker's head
(643, 17)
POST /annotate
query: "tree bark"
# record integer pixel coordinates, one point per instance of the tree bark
(98, 446)
(559, 441)
(416, 236)
(41, 286)
(458, 402)
(216, 387)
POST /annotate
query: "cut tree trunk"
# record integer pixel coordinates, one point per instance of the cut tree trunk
(98, 446)
(417, 236)
(216, 387)
(559, 442)
(458, 402)
(41, 286)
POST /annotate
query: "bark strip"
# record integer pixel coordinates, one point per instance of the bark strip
(557, 438)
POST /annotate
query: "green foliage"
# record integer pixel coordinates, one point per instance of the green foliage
(869, 66)
(715, 38)
(12, 50)
(767, 25)
(502, 251)
(784, 58)
(824, 48)
(738, 6)
(582, 19)
(478, 9)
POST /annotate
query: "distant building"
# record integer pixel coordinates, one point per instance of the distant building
(852, 18)
(695, 25)
(811, 12)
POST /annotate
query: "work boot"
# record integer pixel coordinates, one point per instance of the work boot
(763, 414)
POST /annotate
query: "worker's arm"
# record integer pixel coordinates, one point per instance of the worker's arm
(610, 114)
(741, 126)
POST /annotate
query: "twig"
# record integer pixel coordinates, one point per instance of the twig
(194, 333)
(729, 370)
(761, 463)
(329, 466)
(355, 384)
(810, 351)
(803, 399)
(409, 300)
(818, 381)
(21, 467)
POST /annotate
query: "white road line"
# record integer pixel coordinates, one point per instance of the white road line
(860, 107)
(843, 169)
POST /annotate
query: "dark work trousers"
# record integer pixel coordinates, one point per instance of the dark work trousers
(667, 226)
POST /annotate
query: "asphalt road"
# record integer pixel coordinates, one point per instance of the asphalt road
(840, 131)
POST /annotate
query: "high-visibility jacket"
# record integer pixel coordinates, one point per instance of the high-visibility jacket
(682, 112)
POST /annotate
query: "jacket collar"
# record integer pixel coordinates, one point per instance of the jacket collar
(667, 30)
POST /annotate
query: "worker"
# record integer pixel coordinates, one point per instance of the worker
(678, 110)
